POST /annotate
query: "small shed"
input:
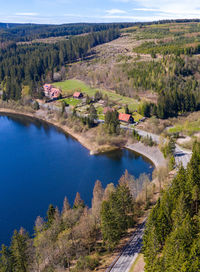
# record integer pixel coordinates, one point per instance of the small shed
(77, 95)
(127, 118)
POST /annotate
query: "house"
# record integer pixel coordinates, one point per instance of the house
(47, 88)
(51, 92)
(105, 110)
(55, 93)
(127, 118)
(77, 95)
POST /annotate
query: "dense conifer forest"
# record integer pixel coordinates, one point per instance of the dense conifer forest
(29, 32)
(173, 78)
(32, 64)
(171, 241)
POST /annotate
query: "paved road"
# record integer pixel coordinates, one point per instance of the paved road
(124, 262)
(130, 252)
(181, 155)
(155, 137)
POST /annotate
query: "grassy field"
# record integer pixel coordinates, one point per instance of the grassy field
(71, 101)
(188, 128)
(71, 85)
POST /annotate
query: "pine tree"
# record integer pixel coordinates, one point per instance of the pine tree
(92, 113)
(116, 215)
(5, 259)
(19, 252)
(50, 215)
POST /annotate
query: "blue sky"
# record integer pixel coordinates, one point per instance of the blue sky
(68, 11)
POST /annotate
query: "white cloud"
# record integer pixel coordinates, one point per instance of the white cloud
(145, 9)
(167, 8)
(26, 14)
(115, 11)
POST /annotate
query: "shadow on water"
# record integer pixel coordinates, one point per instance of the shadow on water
(118, 154)
(28, 121)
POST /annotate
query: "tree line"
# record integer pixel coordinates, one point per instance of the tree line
(172, 236)
(29, 32)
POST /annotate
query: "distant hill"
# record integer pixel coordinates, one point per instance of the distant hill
(29, 32)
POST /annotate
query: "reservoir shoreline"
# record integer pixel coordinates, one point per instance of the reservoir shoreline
(153, 154)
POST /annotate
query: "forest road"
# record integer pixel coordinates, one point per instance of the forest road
(130, 252)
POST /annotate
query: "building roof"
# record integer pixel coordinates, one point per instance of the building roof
(55, 92)
(124, 117)
(47, 86)
(77, 94)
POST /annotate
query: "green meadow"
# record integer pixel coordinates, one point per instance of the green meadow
(69, 86)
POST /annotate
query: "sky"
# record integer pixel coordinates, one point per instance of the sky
(71, 11)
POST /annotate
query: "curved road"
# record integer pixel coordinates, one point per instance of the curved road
(181, 155)
(130, 252)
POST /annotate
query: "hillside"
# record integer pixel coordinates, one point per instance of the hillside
(157, 62)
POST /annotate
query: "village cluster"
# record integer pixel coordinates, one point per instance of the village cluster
(79, 101)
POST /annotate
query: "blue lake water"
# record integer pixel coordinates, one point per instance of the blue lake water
(40, 165)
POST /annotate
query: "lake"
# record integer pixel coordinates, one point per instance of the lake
(40, 165)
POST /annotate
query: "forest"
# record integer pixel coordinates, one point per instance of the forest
(29, 32)
(33, 64)
(173, 78)
(171, 240)
(77, 237)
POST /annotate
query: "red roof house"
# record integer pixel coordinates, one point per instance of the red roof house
(55, 93)
(51, 92)
(77, 95)
(127, 118)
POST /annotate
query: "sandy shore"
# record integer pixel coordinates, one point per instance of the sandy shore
(152, 153)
